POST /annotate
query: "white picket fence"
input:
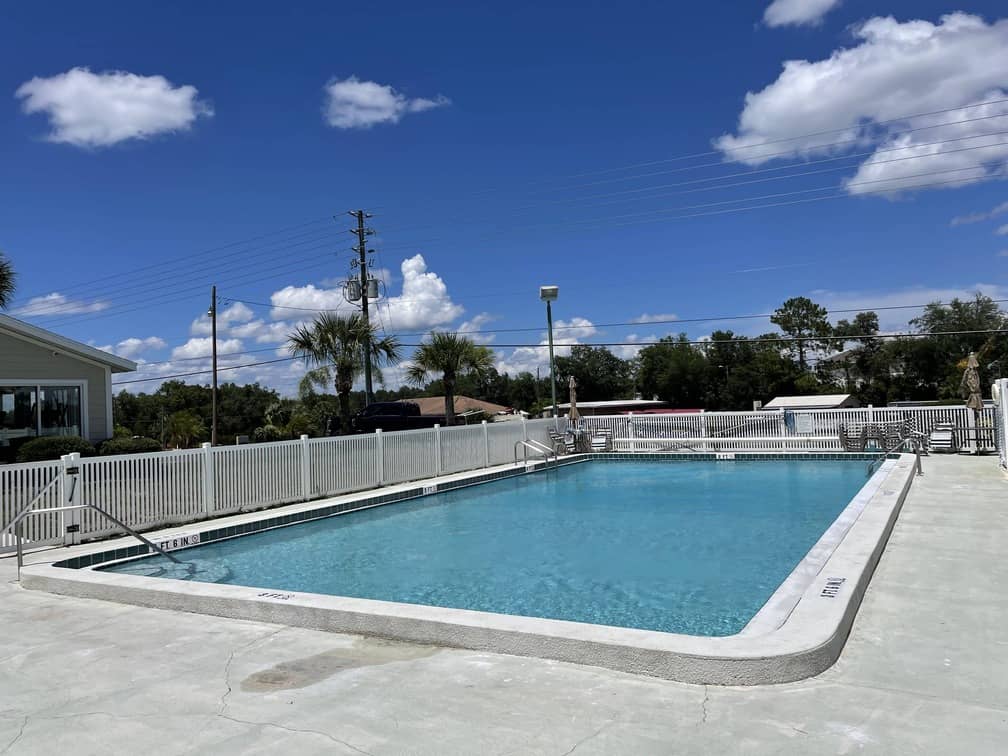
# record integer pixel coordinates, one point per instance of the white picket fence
(165, 488)
(775, 430)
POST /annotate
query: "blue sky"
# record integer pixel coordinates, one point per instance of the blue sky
(149, 152)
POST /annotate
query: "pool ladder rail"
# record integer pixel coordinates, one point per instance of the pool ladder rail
(15, 525)
(915, 442)
(538, 447)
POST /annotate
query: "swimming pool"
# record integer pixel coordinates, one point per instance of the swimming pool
(691, 547)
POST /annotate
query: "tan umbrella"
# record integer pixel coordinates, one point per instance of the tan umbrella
(970, 389)
(574, 415)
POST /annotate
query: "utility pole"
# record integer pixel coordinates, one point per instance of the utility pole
(362, 250)
(212, 312)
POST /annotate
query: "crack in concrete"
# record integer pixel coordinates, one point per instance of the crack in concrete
(24, 723)
(703, 704)
(295, 729)
(586, 739)
(231, 658)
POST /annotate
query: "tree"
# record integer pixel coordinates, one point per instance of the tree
(805, 321)
(675, 371)
(6, 282)
(599, 373)
(452, 356)
(183, 428)
(337, 343)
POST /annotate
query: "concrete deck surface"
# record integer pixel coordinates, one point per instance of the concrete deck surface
(924, 671)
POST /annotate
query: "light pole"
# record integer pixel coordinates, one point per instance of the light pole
(547, 294)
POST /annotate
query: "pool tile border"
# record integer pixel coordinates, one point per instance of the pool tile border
(809, 640)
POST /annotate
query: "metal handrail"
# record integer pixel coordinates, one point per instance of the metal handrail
(538, 447)
(885, 454)
(16, 523)
(28, 507)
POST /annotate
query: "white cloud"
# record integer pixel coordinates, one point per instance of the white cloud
(655, 318)
(58, 304)
(896, 320)
(263, 332)
(97, 110)
(133, 346)
(797, 12)
(355, 104)
(896, 68)
(963, 220)
(566, 333)
(1003, 253)
(235, 313)
(199, 347)
(573, 329)
(472, 328)
(423, 304)
(1002, 230)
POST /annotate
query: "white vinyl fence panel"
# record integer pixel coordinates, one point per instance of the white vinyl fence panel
(164, 488)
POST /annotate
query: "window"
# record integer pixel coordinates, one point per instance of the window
(28, 411)
(18, 413)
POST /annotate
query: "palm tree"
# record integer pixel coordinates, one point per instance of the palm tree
(451, 355)
(336, 343)
(6, 282)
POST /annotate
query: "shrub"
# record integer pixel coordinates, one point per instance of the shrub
(129, 446)
(53, 447)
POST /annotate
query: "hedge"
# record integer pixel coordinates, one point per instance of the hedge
(53, 447)
(129, 446)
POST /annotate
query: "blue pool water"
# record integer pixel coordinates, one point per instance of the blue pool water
(689, 547)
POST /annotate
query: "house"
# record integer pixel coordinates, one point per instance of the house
(53, 386)
(814, 402)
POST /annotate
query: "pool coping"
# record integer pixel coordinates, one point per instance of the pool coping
(801, 632)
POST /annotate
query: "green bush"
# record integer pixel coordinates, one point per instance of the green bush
(53, 447)
(129, 446)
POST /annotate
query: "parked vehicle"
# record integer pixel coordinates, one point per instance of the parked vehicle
(393, 416)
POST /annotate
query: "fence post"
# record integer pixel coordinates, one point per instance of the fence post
(971, 431)
(437, 447)
(209, 489)
(486, 445)
(631, 433)
(524, 428)
(306, 489)
(871, 414)
(381, 456)
(703, 430)
(70, 495)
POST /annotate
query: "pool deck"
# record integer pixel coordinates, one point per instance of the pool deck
(924, 671)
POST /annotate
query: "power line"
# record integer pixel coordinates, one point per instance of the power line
(175, 260)
(737, 340)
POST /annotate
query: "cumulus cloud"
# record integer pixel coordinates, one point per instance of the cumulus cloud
(862, 96)
(234, 313)
(1002, 230)
(963, 220)
(200, 347)
(133, 346)
(423, 304)
(472, 328)
(86, 109)
(355, 104)
(797, 12)
(566, 333)
(263, 332)
(655, 318)
(58, 304)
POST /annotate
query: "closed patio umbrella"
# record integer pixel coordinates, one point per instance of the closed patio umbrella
(970, 389)
(574, 415)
